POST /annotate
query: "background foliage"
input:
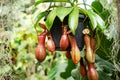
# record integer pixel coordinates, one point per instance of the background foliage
(18, 41)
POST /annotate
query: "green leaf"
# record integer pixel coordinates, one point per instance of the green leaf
(42, 1)
(62, 12)
(100, 22)
(105, 14)
(104, 68)
(52, 73)
(39, 17)
(97, 6)
(68, 70)
(95, 19)
(92, 19)
(73, 19)
(59, 67)
(75, 74)
(104, 50)
(103, 76)
(50, 19)
(104, 65)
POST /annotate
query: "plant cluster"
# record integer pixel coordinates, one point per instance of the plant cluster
(95, 25)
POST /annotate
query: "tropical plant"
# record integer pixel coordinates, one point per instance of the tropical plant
(97, 18)
(22, 23)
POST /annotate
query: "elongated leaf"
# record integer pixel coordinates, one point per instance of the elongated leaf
(97, 6)
(62, 12)
(42, 1)
(100, 22)
(68, 69)
(54, 73)
(104, 68)
(50, 19)
(104, 50)
(75, 74)
(92, 19)
(73, 19)
(39, 16)
(104, 64)
(104, 76)
(105, 14)
(95, 19)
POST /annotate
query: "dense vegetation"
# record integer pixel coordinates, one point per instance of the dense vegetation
(18, 42)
